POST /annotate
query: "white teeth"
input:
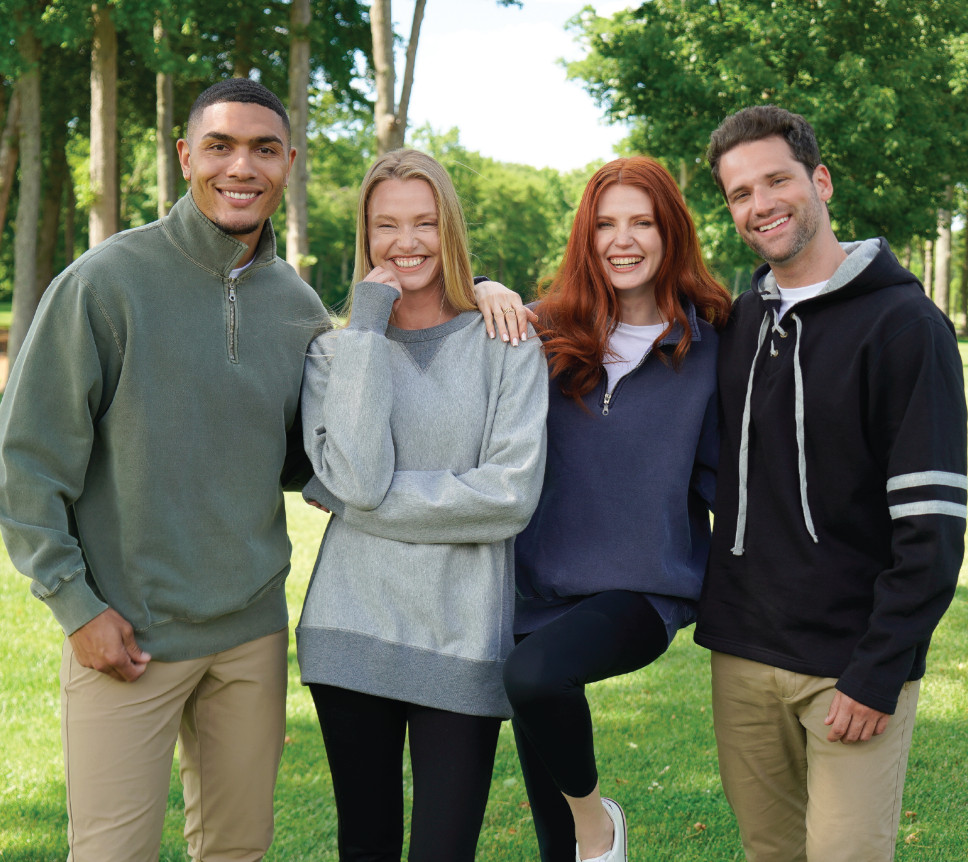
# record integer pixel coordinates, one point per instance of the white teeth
(408, 262)
(239, 196)
(624, 261)
(772, 225)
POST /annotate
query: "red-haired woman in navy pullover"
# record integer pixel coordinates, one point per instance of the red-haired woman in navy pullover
(611, 564)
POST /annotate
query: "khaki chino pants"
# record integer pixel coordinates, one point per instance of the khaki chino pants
(796, 796)
(228, 713)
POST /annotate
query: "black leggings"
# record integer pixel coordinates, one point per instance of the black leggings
(452, 758)
(605, 635)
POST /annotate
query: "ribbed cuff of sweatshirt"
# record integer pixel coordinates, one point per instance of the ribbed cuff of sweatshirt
(316, 492)
(74, 604)
(372, 304)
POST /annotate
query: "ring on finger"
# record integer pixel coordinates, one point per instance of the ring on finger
(508, 310)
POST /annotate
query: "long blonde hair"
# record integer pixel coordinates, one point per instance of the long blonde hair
(407, 164)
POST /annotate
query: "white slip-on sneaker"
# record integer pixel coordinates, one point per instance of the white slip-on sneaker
(619, 850)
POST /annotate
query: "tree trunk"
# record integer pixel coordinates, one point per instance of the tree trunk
(391, 120)
(906, 257)
(70, 217)
(385, 115)
(50, 219)
(928, 266)
(942, 254)
(964, 278)
(297, 207)
(164, 132)
(9, 144)
(241, 61)
(28, 207)
(403, 108)
(103, 220)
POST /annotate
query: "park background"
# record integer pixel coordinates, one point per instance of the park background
(92, 98)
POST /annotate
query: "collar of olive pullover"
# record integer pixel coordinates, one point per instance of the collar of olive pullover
(208, 246)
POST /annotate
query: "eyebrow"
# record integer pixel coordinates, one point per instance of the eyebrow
(231, 139)
(419, 217)
(643, 214)
(768, 176)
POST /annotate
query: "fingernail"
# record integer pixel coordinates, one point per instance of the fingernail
(524, 336)
(490, 334)
(504, 337)
(514, 342)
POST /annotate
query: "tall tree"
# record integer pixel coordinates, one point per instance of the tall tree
(390, 115)
(963, 293)
(297, 210)
(9, 143)
(105, 204)
(56, 179)
(28, 205)
(942, 254)
(165, 161)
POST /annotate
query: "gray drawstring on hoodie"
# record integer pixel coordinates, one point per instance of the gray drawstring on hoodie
(744, 445)
(801, 434)
(859, 256)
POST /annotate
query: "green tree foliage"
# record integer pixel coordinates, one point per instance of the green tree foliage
(514, 212)
(518, 216)
(205, 41)
(881, 81)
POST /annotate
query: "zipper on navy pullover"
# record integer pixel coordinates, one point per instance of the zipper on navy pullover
(609, 396)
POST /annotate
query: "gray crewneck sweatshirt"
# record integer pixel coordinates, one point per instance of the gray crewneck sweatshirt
(429, 447)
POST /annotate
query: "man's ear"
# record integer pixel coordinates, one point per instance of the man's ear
(183, 158)
(823, 183)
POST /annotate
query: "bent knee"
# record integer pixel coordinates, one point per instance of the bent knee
(528, 678)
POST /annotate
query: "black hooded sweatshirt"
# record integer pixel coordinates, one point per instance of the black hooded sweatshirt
(840, 504)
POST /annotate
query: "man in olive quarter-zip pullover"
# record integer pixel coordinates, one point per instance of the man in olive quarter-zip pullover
(840, 510)
(144, 442)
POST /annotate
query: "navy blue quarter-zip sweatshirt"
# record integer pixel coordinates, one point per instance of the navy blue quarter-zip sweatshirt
(628, 486)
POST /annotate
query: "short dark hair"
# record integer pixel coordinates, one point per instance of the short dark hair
(757, 123)
(237, 90)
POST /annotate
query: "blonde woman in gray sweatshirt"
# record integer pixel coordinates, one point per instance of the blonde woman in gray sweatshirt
(428, 443)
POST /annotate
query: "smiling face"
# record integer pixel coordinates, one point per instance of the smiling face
(779, 209)
(403, 234)
(237, 161)
(627, 239)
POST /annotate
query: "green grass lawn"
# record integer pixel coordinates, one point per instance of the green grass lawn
(654, 742)
(653, 734)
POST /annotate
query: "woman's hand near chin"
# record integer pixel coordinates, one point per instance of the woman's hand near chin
(384, 276)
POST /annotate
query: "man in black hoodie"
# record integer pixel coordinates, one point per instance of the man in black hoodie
(840, 510)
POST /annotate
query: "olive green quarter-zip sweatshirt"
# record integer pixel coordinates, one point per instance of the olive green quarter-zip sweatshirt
(143, 435)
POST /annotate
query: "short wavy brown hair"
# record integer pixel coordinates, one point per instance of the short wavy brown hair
(757, 123)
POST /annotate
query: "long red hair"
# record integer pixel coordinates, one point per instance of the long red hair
(579, 309)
